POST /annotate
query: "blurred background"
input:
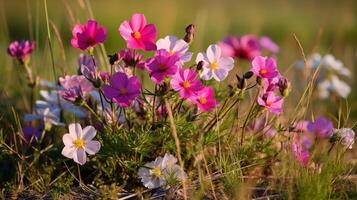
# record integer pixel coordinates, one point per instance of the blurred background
(324, 26)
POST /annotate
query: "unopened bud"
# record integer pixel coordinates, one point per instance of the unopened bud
(240, 82)
(190, 31)
(248, 75)
(259, 80)
(113, 58)
(284, 86)
(200, 65)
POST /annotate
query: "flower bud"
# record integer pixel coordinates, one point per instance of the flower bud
(240, 82)
(284, 86)
(200, 65)
(248, 75)
(190, 29)
(113, 58)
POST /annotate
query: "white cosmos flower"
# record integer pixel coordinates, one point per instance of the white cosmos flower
(347, 137)
(155, 174)
(333, 85)
(78, 142)
(173, 45)
(49, 115)
(330, 62)
(215, 66)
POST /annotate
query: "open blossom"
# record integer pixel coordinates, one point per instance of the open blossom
(333, 85)
(78, 142)
(204, 99)
(31, 132)
(138, 34)
(74, 87)
(271, 102)
(156, 173)
(48, 115)
(185, 82)
(132, 58)
(321, 128)
(173, 45)
(215, 65)
(266, 43)
(347, 136)
(88, 35)
(20, 50)
(162, 65)
(246, 47)
(264, 67)
(300, 153)
(122, 90)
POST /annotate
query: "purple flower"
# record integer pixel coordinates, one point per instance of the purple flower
(88, 67)
(21, 50)
(321, 128)
(271, 102)
(258, 125)
(30, 132)
(88, 35)
(264, 67)
(121, 89)
(162, 65)
(266, 43)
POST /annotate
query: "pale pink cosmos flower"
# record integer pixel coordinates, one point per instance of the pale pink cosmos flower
(271, 102)
(88, 35)
(138, 34)
(268, 44)
(173, 45)
(161, 66)
(259, 125)
(214, 64)
(122, 90)
(264, 67)
(21, 50)
(78, 142)
(204, 99)
(74, 87)
(185, 82)
(347, 137)
(300, 153)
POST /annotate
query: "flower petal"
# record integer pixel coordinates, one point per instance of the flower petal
(92, 147)
(79, 156)
(88, 133)
(75, 130)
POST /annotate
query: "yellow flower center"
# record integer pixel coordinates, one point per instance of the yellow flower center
(79, 143)
(202, 100)
(213, 65)
(186, 84)
(157, 172)
(136, 35)
(171, 53)
(123, 91)
(263, 71)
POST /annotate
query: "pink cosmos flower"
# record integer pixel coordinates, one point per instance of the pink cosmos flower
(121, 89)
(185, 82)
(88, 35)
(245, 47)
(132, 58)
(300, 153)
(271, 102)
(270, 85)
(162, 65)
(268, 44)
(78, 142)
(138, 34)
(258, 125)
(321, 128)
(204, 99)
(264, 67)
(21, 50)
(74, 87)
(214, 64)
(173, 45)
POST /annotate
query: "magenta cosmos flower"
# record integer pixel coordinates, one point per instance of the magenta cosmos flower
(185, 82)
(138, 34)
(300, 153)
(272, 102)
(162, 65)
(321, 128)
(88, 35)
(20, 50)
(204, 99)
(121, 89)
(78, 142)
(245, 47)
(264, 67)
